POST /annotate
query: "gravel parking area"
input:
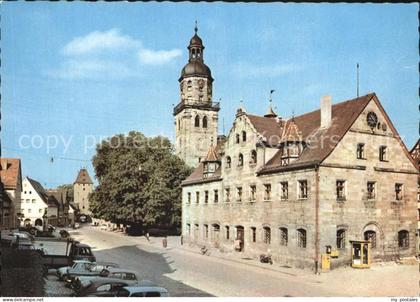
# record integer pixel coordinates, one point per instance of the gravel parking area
(54, 287)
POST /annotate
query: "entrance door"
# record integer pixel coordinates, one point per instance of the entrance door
(240, 235)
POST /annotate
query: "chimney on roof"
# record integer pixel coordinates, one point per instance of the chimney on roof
(4, 163)
(326, 111)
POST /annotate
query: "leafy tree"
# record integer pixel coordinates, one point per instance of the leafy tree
(139, 181)
(69, 189)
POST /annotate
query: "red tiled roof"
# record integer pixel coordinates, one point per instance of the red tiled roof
(291, 132)
(211, 154)
(10, 172)
(83, 177)
(321, 142)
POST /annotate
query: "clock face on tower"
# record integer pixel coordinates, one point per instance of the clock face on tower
(372, 119)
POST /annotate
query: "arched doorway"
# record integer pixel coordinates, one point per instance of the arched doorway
(239, 240)
(215, 234)
(27, 222)
(38, 222)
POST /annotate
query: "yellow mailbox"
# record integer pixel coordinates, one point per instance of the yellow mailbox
(325, 262)
(360, 254)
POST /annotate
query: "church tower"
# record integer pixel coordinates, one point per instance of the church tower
(196, 115)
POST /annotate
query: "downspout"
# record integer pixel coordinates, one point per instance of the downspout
(316, 217)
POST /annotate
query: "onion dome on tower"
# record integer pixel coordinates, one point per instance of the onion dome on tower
(195, 65)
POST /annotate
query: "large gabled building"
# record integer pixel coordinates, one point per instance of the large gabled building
(293, 187)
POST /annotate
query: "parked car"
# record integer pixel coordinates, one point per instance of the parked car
(104, 227)
(90, 269)
(104, 284)
(114, 273)
(145, 289)
(78, 265)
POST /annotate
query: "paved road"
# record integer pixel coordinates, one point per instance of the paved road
(188, 274)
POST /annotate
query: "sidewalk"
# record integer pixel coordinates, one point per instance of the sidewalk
(174, 243)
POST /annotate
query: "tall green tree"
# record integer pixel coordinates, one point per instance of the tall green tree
(139, 180)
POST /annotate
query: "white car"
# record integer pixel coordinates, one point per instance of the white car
(144, 288)
(104, 227)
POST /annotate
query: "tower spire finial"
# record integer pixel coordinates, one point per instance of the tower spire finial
(196, 27)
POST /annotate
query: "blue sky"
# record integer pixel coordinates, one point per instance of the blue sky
(79, 71)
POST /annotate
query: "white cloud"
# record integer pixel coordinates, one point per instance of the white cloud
(98, 41)
(158, 57)
(91, 69)
(107, 54)
(246, 70)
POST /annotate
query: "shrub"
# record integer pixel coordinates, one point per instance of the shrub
(21, 273)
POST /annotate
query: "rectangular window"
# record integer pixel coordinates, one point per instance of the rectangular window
(189, 198)
(303, 189)
(239, 194)
(398, 191)
(206, 231)
(33, 200)
(371, 192)
(383, 153)
(360, 151)
(29, 210)
(283, 236)
(227, 193)
(216, 196)
(206, 197)
(284, 190)
(301, 238)
(252, 192)
(40, 210)
(267, 192)
(341, 239)
(197, 197)
(403, 239)
(267, 235)
(341, 189)
(188, 229)
(253, 234)
(28, 200)
(227, 232)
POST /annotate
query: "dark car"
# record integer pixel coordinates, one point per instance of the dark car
(108, 285)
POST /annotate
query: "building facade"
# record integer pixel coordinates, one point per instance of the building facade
(293, 187)
(82, 187)
(11, 179)
(196, 115)
(37, 207)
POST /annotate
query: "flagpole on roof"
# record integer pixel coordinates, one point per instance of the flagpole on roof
(357, 67)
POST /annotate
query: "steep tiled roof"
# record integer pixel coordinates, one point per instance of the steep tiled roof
(267, 127)
(415, 152)
(10, 172)
(211, 154)
(83, 177)
(291, 132)
(49, 200)
(343, 116)
(197, 175)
